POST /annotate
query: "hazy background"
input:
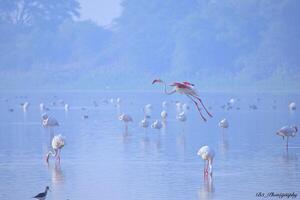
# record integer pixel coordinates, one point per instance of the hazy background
(114, 44)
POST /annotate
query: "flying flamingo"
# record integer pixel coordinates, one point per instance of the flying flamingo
(187, 89)
(58, 142)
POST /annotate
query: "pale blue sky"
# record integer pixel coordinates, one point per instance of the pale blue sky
(100, 11)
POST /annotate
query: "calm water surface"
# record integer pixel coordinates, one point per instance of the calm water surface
(98, 162)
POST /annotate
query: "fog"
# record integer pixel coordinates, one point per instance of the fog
(218, 45)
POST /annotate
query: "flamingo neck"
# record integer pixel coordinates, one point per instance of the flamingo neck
(53, 154)
(165, 89)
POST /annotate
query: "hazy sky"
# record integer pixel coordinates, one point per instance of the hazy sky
(100, 11)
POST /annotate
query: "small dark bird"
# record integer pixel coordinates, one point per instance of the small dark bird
(43, 195)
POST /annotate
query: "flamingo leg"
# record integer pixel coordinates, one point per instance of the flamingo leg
(202, 105)
(287, 142)
(204, 168)
(204, 119)
(210, 165)
(58, 155)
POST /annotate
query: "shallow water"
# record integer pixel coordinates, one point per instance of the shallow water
(100, 162)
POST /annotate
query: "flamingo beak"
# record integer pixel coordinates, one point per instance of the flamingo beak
(156, 80)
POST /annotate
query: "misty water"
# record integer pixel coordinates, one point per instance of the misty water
(99, 162)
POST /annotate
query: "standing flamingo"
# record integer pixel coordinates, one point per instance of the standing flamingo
(287, 131)
(126, 119)
(164, 115)
(292, 106)
(223, 123)
(208, 155)
(187, 89)
(156, 124)
(144, 123)
(58, 142)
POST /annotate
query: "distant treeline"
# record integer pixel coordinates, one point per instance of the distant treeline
(208, 41)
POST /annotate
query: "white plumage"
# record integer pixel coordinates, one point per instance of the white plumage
(292, 106)
(67, 107)
(207, 154)
(144, 123)
(156, 124)
(42, 107)
(181, 117)
(223, 123)
(164, 114)
(58, 142)
(125, 118)
(26, 106)
(287, 131)
(148, 110)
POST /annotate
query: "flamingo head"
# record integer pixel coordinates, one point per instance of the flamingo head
(157, 81)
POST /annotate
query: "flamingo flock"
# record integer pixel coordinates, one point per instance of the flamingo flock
(182, 110)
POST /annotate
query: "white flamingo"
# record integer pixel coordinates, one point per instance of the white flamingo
(292, 106)
(67, 107)
(164, 115)
(156, 124)
(126, 119)
(144, 123)
(58, 142)
(223, 123)
(181, 117)
(187, 89)
(147, 110)
(26, 106)
(287, 131)
(42, 107)
(207, 154)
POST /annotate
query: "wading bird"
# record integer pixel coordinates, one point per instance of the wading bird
(144, 123)
(292, 106)
(58, 142)
(164, 115)
(207, 154)
(187, 89)
(287, 131)
(43, 195)
(126, 119)
(223, 123)
(156, 124)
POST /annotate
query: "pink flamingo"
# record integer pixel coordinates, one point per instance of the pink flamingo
(187, 89)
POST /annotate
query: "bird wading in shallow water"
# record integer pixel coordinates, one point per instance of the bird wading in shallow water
(58, 142)
(287, 131)
(207, 154)
(187, 89)
(42, 195)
